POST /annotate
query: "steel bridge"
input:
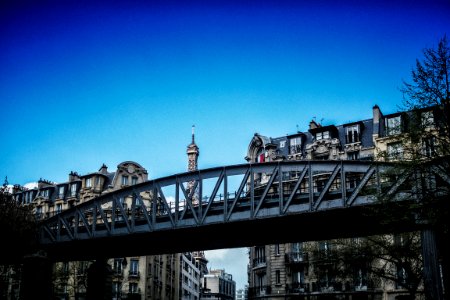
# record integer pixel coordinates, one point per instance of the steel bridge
(231, 206)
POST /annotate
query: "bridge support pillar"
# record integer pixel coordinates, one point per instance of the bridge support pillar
(432, 275)
(99, 281)
(36, 277)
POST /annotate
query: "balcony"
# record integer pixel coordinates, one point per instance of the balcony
(296, 258)
(133, 274)
(296, 288)
(259, 291)
(117, 273)
(134, 295)
(259, 263)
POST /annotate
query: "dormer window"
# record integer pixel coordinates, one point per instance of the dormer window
(124, 180)
(352, 134)
(44, 193)
(295, 145)
(322, 135)
(29, 197)
(61, 192)
(134, 180)
(88, 182)
(393, 125)
(73, 190)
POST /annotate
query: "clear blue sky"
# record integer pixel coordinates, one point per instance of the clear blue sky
(84, 83)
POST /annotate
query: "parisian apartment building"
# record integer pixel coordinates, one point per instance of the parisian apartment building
(156, 277)
(279, 271)
(291, 270)
(218, 285)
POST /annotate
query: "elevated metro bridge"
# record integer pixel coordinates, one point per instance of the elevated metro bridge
(235, 206)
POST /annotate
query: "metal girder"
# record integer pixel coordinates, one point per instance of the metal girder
(250, 191)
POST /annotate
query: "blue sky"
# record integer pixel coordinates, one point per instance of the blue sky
(84, 83)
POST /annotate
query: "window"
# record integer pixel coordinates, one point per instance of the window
(261, 280)
(118, 265)
(352, 134)
(65, 268)
(277, 249)
(295, 145)
(393, 125)
(277, 277)
(134, 180)
(395, 150)
(402, 277)
(429, 146)
(61, 192)
(88, 182)
(353, 155)
(29, 197)
(324, 247)
(282, 144)
(297, 277)
(124, 180)
(134, 267)
(260, 255)
(97, 181)
(58, 208)
(297, 253)
(38, 211)
(116, 288)
(73, 190)
(261, 156)
(427, 119)
(360, 278)
(44, 193)
(322, 135)
(133, 288)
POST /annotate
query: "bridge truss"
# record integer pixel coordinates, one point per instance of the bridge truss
(230, 194)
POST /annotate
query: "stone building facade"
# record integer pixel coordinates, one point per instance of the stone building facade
(158, 277)
(292, 271)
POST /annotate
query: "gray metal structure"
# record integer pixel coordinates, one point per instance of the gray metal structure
(159, 215)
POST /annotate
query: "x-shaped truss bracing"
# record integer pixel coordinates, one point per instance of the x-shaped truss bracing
(227, 194)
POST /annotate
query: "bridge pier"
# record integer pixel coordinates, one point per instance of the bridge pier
(99, 281)
(36, 277)
(431, 272)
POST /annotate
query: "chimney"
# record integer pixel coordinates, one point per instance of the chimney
(377, 118)
(73, 176)
(103, 169)
(313, 125)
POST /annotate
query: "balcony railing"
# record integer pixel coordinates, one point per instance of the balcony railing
(296, 257)
(297, 287)
(259, 262)
(259, 291)
(133, 274)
